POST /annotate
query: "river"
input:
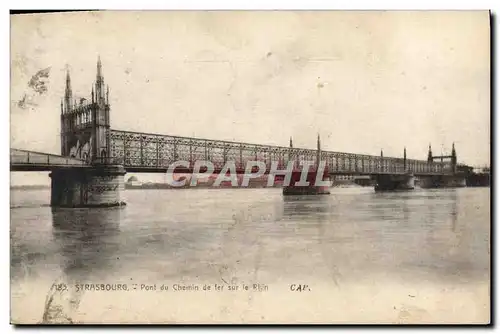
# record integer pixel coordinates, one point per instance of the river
(354, 256)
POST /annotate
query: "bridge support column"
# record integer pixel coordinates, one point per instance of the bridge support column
(310, 189)
(442, 181)
(394, 182)
(98, 186)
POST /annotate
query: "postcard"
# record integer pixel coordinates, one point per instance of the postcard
(250, 167)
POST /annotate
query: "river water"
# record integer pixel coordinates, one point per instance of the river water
(356, 256)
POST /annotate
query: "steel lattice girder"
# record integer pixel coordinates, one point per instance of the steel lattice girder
(153, 150)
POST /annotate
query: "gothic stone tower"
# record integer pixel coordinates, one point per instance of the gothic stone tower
(85, 124)
(84, 134)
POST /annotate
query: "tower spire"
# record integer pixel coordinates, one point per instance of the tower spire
(68, 93)
(453, 157)
(99, 67)
(99, 85)
(291, 143)
(404, 159)
(429, 154)
(318, 153)
(68, 81)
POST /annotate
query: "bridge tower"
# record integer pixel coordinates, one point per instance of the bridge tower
(452, 158)
(315, 184)
(401, 180)
(450, 177)
(84, 134)
(101, 125)
(85, 123)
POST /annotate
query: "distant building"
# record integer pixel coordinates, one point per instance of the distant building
(133, 181)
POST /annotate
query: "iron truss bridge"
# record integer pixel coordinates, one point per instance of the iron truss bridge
(143, 152)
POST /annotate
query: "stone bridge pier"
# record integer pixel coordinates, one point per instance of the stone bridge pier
(443, 181)
(313, 187)
(95, 186)
(294, 188)
(455, 179)
(394, 182)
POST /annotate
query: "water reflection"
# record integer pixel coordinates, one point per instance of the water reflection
(87, 238)
(454, 210)
(312, 227)
(436, 236)
(87, 241)
(306, 208)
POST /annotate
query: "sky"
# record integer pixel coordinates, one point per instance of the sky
(364, 81)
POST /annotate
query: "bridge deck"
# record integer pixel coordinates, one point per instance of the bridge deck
(23, 160)
(147, 152)
(154, 153)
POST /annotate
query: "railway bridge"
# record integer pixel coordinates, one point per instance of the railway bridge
(94, 158)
